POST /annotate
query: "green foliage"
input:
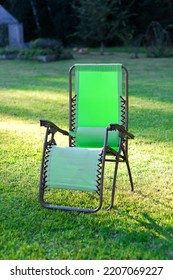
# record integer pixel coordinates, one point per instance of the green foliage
(38, 47)
(101, 21)
(9, 51)
(141, 224)
(31, 52)
(42, 43)
(158, 41)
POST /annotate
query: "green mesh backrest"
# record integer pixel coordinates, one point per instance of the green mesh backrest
(98, 88)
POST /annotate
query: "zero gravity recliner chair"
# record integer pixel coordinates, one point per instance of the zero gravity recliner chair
(98, 132)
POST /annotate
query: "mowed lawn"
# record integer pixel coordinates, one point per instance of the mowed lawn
(141, 224)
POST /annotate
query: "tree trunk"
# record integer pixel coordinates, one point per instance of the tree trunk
(35, 14)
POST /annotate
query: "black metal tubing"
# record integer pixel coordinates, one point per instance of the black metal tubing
(70, 102)
(126, 104)
(115, 174)
(51, 129)
(126, 94)
(41, 186)
(123, 134)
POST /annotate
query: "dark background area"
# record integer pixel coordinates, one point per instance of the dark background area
(88, 22)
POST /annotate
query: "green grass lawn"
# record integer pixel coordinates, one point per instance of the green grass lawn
(141, 224)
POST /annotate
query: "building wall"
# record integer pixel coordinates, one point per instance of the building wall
(15, 35)
(3, 35)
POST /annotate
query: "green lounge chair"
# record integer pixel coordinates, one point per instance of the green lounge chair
(98, 132)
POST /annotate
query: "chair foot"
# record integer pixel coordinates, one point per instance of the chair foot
(109, 208)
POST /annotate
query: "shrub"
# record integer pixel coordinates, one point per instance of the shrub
(40, 47)
(8, 51)
(48, 45)
(157, 40)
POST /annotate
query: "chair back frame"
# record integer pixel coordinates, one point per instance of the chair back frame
(124, 106)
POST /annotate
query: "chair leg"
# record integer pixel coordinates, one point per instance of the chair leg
(113, 186)
(115, 178)
(128, 168)
(116, 171)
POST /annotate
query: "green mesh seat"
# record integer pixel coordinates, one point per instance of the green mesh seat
(98, 129)
(82, 168)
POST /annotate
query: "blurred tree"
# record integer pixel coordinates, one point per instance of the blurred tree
(146, 11)
(101, 21)
(35, 14)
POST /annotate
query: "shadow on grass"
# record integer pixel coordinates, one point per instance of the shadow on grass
(149, 223)
(29, 231)
(41, 84)
(44, 111)
(34, 76)
(152, 124)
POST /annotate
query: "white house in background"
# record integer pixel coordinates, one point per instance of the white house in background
(11, 31)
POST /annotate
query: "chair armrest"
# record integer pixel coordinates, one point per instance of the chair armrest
(53, 127)
(121, 129)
